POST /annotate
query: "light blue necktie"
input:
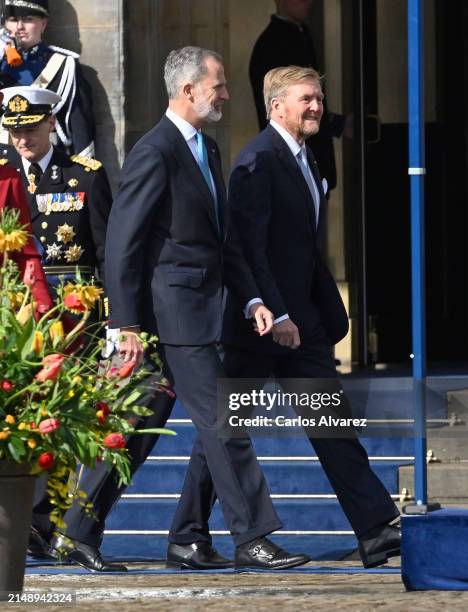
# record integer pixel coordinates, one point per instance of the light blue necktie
(203, 161)
(205, 168)
(304, 166)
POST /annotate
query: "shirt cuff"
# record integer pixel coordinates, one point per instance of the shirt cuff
(249, 304)
(281, 318)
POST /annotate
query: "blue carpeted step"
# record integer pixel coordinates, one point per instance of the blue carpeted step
(285, 446)
(284, 477)
(153, 547)
(296, 515)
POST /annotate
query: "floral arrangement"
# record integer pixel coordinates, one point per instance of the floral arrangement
(57, 407)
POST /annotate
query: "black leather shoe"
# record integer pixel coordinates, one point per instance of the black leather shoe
(66, 549)
(38, 547)
(379, 544)
(198, 556)
(265, 554)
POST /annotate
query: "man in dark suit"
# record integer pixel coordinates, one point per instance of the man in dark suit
(69, 202)
(170, 251)
(287, 41)
(276, 201)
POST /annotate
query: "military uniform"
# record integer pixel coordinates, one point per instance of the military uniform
(58, 70)
(69, 207)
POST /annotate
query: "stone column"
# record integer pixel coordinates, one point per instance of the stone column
(95, 30)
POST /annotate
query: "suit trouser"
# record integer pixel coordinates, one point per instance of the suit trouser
(231, 464)
(364, 499)
(101, 484)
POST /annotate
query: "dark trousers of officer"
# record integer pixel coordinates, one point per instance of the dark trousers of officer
(231, 464)
(364, 499)
(100, 483)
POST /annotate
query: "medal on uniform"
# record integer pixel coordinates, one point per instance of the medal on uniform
(65, 233)
(32, 183)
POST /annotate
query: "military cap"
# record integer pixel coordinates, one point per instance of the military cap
(20, 8)
(27, 106)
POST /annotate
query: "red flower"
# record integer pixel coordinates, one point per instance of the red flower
(46, 461)
(127, 369)
(114, 440)
(6, 385)
(102, 412)
(53, 365)
(49, 425)
(72, 302)
(29, 274)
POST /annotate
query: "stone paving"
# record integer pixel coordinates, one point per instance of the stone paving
(241, 591)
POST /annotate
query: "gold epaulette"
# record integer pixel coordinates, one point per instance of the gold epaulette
(88, 162)
(3, 161)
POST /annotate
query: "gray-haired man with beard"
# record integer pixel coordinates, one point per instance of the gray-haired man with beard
(170, 252)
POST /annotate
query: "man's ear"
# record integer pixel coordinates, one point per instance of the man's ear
(187, 90)
(51, 121)
(45, 23)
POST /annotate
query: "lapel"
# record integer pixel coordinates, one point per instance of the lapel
(184, 157)
(287, 158)
(218, 178)
(318, 181)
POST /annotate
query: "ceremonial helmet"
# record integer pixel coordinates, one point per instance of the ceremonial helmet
(20, 8)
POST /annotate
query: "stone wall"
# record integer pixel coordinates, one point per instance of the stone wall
(94, 29)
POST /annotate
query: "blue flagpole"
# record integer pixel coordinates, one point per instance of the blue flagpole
(416, 172)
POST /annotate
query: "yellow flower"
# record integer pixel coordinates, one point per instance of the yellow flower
(32, 443)
(76, 380)
(44, 412)
(22, 426)
(16, 298)
(4, 435)
(24, 314)
(10, 419)
(15, 240)
(86, 294)
(71, 393)
(37, 342)
(56, 331)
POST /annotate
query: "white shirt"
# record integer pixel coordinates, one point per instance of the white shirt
(43, 163)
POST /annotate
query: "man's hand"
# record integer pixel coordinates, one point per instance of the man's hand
(286, 333)
(130, 346)
(263, 318)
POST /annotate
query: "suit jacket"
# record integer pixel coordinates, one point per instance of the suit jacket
(88, 221)
(284, 43)
(166, 263)
(274, 213)
(12, 196)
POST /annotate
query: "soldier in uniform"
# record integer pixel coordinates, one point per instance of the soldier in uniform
(53, 68)
(70, 200)
(69, 197)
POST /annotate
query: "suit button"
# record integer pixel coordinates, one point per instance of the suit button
(44, 225)
(43, 238)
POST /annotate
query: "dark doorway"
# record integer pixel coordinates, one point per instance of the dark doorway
(378, 220)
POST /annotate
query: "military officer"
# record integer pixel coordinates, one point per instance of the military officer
(53, 68)
(69, 197)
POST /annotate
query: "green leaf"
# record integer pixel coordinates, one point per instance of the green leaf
(166, 432)
(16, 448)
